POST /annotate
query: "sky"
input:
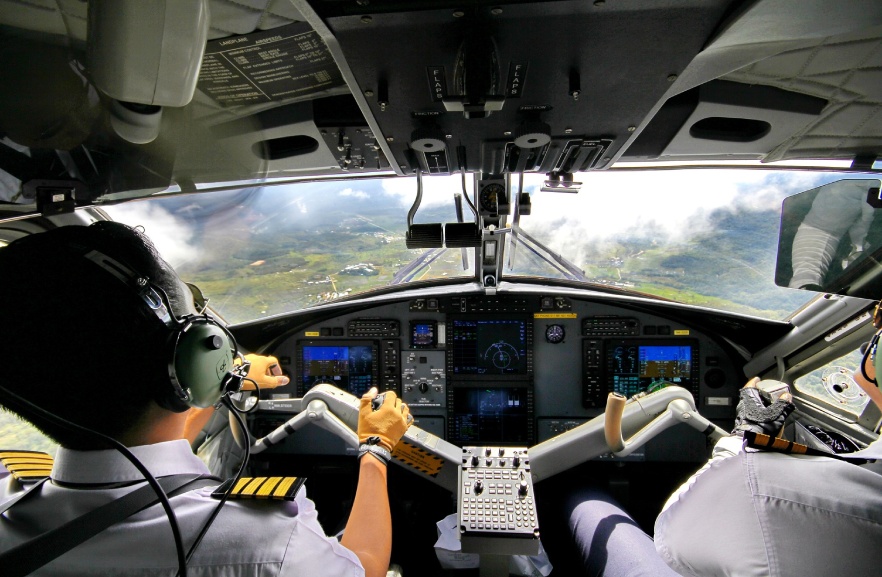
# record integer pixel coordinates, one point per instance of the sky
(672, 205)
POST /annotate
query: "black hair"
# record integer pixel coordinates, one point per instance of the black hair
(79, 342)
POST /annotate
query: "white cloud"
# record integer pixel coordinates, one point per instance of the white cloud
(172, 236)
(437, 190)
(673, 205)
(359, 194)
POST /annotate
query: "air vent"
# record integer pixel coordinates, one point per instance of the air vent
(285, 147)
(730, 129)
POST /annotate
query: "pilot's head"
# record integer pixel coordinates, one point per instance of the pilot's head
(79, 342)
(868, 373)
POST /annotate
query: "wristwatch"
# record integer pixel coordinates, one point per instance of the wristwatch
(372, 446)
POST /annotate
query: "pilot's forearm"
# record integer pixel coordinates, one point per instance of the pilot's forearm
(368, 531)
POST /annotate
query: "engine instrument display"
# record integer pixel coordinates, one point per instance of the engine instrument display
(490, 346)
(635, 367)
(490, 415)
(351, 367)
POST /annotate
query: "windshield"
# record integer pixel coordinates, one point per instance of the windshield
(706, 237)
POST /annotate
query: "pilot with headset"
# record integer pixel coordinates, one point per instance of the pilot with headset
(764, 513)
(105, 348)
(751, 513)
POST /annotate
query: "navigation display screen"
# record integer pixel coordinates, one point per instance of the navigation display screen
(641, 367)
(352, 368)
(490, 346)
(489, 415)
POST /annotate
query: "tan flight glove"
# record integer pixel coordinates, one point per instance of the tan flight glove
(385, 425)
(265, 371)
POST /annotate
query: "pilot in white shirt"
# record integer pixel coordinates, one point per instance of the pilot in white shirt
(749, 513)
(266, 538)
(96, 324)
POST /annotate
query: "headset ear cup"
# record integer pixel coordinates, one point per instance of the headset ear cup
(201, 363)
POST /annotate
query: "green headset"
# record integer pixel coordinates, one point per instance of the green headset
(200, 351)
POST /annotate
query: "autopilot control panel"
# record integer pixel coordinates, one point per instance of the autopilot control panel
(496, 510)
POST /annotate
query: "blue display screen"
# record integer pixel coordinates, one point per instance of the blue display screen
(637, 368)
(351, 368)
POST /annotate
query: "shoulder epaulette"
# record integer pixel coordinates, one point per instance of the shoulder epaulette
(275, 488)
(779, 445)
(26, 466)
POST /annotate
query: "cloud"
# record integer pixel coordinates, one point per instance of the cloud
(173, 237)
(437, 190)
(359, 194)
(672, 206)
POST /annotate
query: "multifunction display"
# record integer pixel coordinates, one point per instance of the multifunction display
(491, 347)
(490, 415)
(352, 367)
(632, 366)
(637, 368)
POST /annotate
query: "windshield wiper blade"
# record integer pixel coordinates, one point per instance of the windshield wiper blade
(565, 267)
(415, 266)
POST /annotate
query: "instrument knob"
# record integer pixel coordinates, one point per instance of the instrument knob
(532, 134)
(428, 139)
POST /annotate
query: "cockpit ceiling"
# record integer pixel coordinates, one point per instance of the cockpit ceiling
(578, 85)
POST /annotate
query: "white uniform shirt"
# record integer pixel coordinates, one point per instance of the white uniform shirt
(752, 514)
(254, 538)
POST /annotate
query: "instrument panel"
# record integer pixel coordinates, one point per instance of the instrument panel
(503, 370)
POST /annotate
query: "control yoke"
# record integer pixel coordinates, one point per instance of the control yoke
(679, 410)
(431, 457)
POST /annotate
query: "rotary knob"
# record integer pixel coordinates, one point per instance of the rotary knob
(532, 134)
(427, 139)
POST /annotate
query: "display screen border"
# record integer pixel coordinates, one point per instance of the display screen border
(453, 375)
(530, 411)
(375, 352)
(692, 386)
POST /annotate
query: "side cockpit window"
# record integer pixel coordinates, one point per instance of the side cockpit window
(16, 433)
(833, 384)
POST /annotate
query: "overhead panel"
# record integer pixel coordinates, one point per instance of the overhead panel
(485, 78)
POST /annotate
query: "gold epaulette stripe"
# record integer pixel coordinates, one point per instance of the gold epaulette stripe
(251, 488)
(18, 467)
(26, 466)
(284, 488)
(267, 488)
(779, 444)
(242, 482)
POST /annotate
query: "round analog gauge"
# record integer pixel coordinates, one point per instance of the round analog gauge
(555, 334)
(490, 197)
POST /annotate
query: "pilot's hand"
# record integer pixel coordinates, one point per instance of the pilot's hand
(265, 371)
(754, 414)
(385, 425)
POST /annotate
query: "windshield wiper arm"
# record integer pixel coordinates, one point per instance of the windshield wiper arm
(567, 268)
(411, 269)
